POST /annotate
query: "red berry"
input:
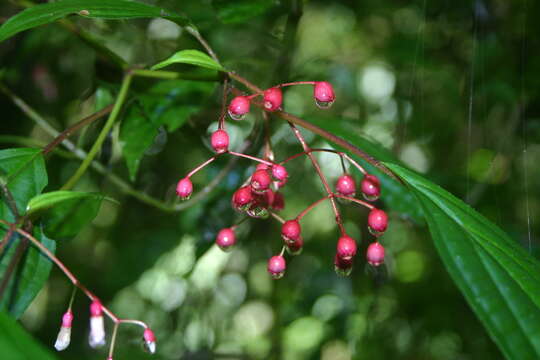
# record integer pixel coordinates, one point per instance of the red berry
(290, 231)
(225, 239)
(184, 188)
(220, 141)
(371, 187)
(262, 166)
(149, 341)
(269, 198)
(375, 254)
(324, 94)
(295, 248)
(346, 185)
(279, 173)
(277, 266)
(346, 247)
(242, 198)
(260, 181)
(279, 202)
(341, 266)
(67, 318)
(377, 222)
(239, 107)
(272, 99)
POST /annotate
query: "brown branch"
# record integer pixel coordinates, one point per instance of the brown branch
(69, 131)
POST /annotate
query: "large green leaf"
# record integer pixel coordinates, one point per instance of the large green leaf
(169, 104)
(239, 11)
(23, 170)
(16, 344)
(30, 275)
(499, 279)
(393, 194)
(105, 9)
(192, 57)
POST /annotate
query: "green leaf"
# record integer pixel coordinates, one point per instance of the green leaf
(30, 275)
(65, 213)
(53, 198)
(104, 9)
(169, 104)
(16, 344)
(192, 57)
(499, 279)
(239, 11)
(23, 170)
(395, 195)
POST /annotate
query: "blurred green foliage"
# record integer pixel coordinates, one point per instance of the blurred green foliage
(448, 88)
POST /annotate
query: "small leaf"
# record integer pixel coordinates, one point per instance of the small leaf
(499, 279)
(53, 198)
(193, 57)
(239, 11)
(17, 344)
(29, 277)
(104, 9)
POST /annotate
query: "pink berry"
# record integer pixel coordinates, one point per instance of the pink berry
(279, 202)
(371, 187)
(262, 166)
(276, 266)
(226, 239)
(239, 107)
(220, 141)
(377, 222)
(290, 231)
(346, 247)
(96, 308)
(269, 198)
(279, 173)
(375, 254)
(149, 341)
(324, 94)
(184, 188)
(295, 248)
(260, 181)
(346, 185)
(242, 198)
(342, 267)
(273, 98)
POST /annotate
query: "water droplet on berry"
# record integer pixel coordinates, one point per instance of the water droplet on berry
(323, 104)
(236, 117)
(343, 271)
(370, 198)
(375, 232)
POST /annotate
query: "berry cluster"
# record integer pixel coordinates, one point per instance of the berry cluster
(259, 195)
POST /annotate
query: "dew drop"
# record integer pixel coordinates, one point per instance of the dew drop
(343, 272)
(370, 198)
(236, 117)
(292, 251)
(278, 275)
(375, 232)
(226, 248)
(323, 104)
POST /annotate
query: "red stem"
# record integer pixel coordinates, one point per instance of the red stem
(269, 163)
(194, 171)
(310, 207)
(72, 277)
(340, 153)
(355, 200)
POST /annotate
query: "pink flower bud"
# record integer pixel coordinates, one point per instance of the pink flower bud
(375, 254)
(324, 94)
(239, 107)
(377, 222)
(279, 173)
(371, 187)
(346, 248)
(273, 98)
(64, 335)
(220, 141)
(96, 337)
(260, 181)
(276, 266)
(149, 341)
(184, 188)
(346, 186)
(226, 239)
(290, 231)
